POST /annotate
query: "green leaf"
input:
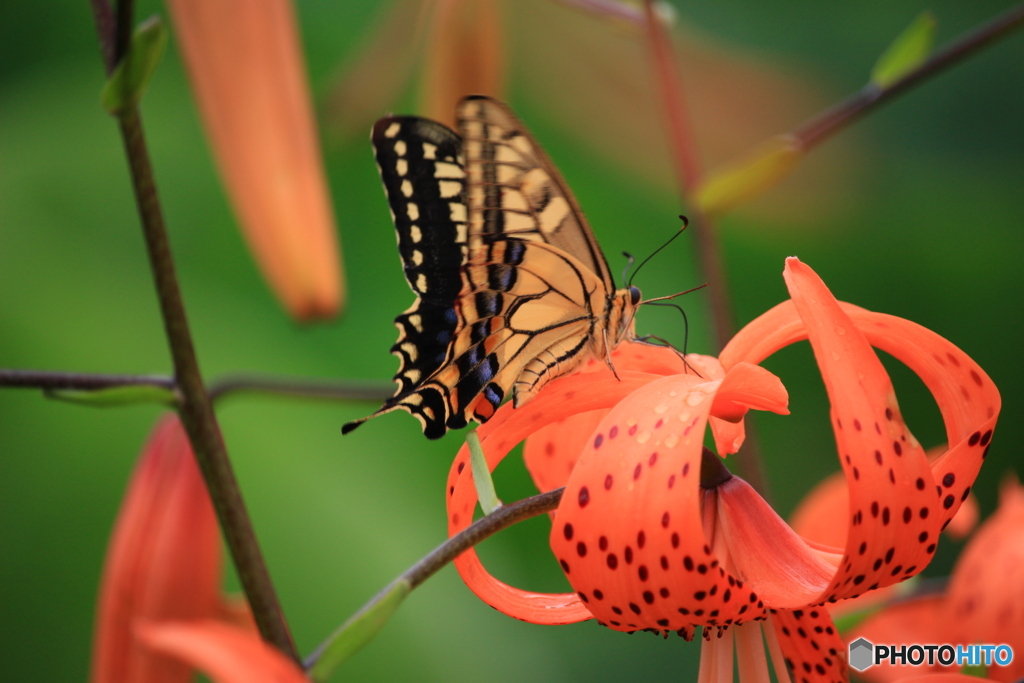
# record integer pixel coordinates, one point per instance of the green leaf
(738, 183)
(126, 84)
(358, 631)
(482, 475)
(907, 52)
(115, 396)
(975, 670)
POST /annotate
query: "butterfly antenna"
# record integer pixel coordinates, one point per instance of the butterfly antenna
(686, 223)
(672, 296)
(629, 264)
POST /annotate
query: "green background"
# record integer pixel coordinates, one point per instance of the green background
(929, 228)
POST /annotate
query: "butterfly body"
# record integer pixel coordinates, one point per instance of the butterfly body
(513, 289)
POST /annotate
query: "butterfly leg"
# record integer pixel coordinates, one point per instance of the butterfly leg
(665, 343)
(608, 355)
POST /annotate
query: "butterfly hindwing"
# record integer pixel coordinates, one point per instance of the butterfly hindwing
(423, 179)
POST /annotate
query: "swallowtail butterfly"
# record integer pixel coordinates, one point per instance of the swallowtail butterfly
(512, 287)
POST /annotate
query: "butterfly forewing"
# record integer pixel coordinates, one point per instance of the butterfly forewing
(513, 190)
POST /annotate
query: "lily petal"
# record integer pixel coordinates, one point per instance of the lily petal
(629, 532)
(248, 76)
(562, 398)
(812, 647)
(551, 452)
(745, 386)
(900, 537)
(163, 561)
(226, 654)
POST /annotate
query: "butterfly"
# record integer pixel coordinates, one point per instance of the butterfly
(512, 287)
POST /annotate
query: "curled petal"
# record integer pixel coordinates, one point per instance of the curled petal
(163, 561)
(562, 398)
(745, 386)
(766, 552)
(249, 79)
(891, 490)
(629, 533)
(226, 654)
(894, 514)
(552, 451)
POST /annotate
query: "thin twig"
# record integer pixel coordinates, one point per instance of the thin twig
(709, 251)
(195, 408)
(442, 555)
(871, 96)
(340, 390)
(46, 380)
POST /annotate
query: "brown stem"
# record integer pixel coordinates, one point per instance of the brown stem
(709, 250)
(439, 557)
(869, 97)
(195, 408)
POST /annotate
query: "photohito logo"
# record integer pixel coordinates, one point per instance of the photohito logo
(864, 654)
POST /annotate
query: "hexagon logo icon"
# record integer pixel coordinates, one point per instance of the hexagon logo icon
(861, 654)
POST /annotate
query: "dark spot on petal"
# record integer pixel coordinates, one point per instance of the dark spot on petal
(584, 497)
(567, 531)
(612, 561)
(598, 440)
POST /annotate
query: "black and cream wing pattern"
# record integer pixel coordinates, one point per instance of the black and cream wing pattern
(512, 288)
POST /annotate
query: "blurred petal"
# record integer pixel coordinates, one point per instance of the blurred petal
(912, 621)
(465, 56)
(371, 81)
(943, 678)
(593, 76)
(248, 74)
(163, 561)
(226, 654)
(985, 596)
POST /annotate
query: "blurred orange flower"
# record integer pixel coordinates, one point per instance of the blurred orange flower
(160, 589)
(248, 75)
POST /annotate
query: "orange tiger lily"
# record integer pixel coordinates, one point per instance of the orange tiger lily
(163, 564)
(983, 602)
(651, 537)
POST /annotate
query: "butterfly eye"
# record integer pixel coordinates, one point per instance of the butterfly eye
(634, 295)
